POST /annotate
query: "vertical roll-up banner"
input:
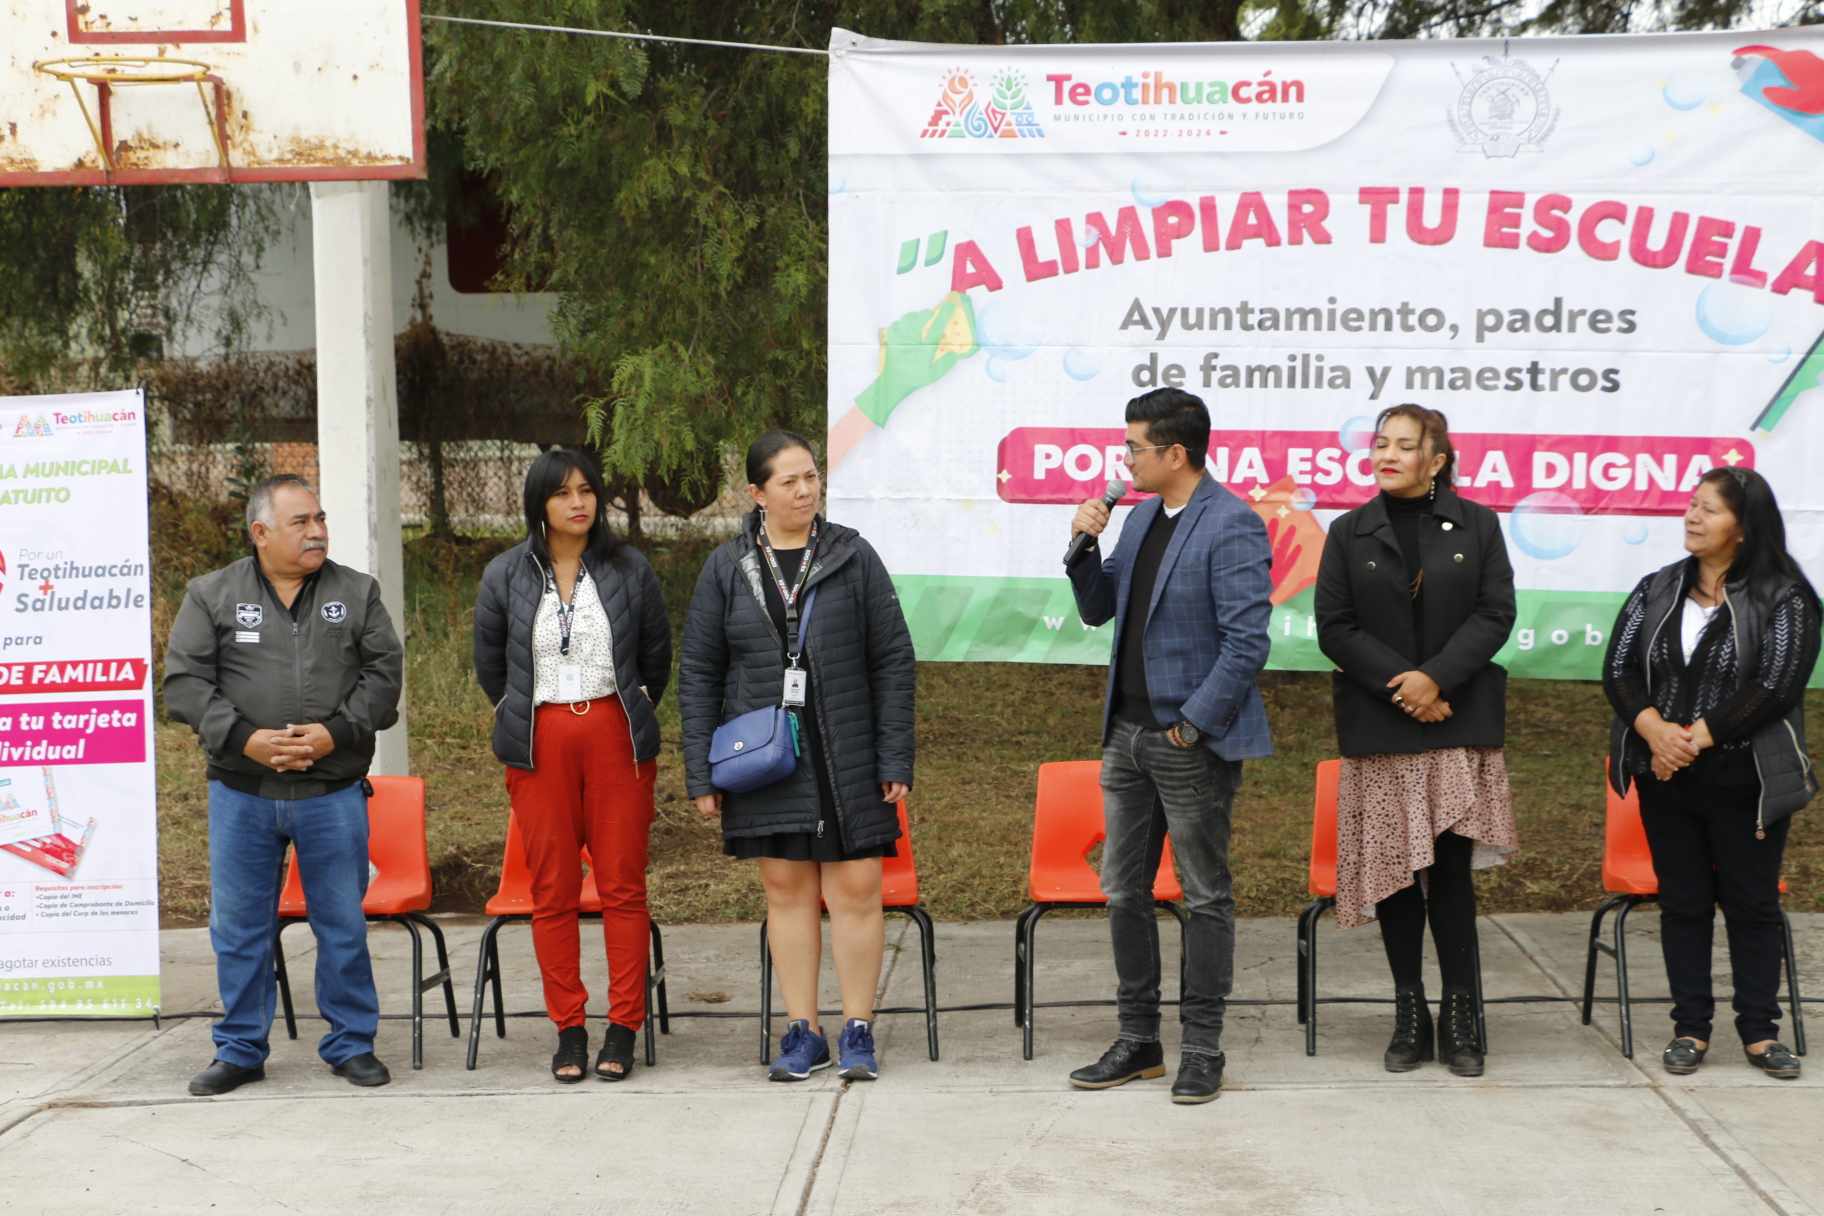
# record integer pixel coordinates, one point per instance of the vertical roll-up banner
(78, 824)
(1602, 258)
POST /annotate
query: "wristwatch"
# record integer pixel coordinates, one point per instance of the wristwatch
(1188, 734)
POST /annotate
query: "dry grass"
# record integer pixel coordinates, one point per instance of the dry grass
(983, 731)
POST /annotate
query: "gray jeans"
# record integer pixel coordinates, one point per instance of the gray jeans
(1151, 787)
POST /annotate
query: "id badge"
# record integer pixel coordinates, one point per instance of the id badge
(570, 682)
(795, 683)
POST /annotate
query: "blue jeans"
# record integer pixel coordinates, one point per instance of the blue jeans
(1150, 787)
(247, 839)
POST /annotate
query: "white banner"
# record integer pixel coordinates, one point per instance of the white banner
(1603, 258)
(78, 821)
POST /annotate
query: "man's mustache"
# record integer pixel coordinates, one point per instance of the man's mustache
(315, 544)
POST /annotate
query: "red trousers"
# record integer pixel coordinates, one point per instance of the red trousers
(585, 791)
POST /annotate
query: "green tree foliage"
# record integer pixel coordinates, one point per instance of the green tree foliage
(93, 281)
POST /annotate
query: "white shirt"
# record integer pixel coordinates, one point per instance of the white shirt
(1692, 623)
(591, 645)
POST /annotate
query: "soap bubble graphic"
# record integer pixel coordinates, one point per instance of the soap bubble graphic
(1641, 155)
(1007, 333)
(1357, 434)
(1732, 314)
(996, 368)
(1636, 533)
(1088, 236)
(1780, 355)
(1150, 193)
(838, 185)
(1685, 94)
(1547, 525)
(1082, 365)
(1304, 498)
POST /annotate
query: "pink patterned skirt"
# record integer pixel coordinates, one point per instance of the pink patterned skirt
(1390, 809)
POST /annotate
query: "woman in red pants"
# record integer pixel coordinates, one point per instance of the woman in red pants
(573, 648)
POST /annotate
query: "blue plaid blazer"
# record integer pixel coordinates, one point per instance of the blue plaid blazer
(1206, 629)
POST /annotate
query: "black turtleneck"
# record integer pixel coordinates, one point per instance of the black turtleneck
(1407, 515)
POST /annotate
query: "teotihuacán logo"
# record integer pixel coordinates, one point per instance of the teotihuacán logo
(30, 427)
(962, 113)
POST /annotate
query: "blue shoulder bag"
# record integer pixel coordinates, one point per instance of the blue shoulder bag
(759, 748)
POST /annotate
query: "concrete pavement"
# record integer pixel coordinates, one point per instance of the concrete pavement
(94, 1117)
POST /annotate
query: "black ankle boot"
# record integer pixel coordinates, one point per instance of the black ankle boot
(1458, 1045)
(1411, 1044)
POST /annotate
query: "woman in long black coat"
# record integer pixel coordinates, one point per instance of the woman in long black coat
(819, 835)
(1415, 595)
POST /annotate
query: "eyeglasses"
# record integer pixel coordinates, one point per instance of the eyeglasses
(1133, 451)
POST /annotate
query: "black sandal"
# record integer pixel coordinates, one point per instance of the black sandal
(617, 1048)
(572, 1052)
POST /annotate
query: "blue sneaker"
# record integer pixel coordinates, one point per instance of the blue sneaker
(801, 1053)
(855, 1048)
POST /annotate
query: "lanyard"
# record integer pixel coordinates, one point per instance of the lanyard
(566, 613)
(788, 598)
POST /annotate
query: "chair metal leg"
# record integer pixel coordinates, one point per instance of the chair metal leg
(1589, 962)
(1019, 965)
(766, 998)
(1310, 965)
(1026, 1023)
(406, 923)
(487, 968)
(658, 971)
(1621, 975)
(927, 932)
(282, 979)
(652, 1051)
(1792, 985)
(1306, 921)
(443, 970)
(500, 1001)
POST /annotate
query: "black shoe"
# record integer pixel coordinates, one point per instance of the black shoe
(1776, 1061)
(1199, 1078)
(363, 1070)
(1458, 1045)
(1413, 1036)
(222, 1077)
(1124, 1062)
(1682, 1055)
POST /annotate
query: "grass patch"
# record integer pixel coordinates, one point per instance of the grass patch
(983, 730)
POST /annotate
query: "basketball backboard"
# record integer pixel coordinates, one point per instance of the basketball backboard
(135, 92)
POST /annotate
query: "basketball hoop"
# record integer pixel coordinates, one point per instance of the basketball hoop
(110, 72)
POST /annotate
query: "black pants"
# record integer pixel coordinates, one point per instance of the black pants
(1449, 902)
(1705, 853)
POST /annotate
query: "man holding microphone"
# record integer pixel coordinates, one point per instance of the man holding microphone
(1188, 588)
(287, 666)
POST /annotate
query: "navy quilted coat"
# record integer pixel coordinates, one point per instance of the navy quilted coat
(505, 609)
(860, 657)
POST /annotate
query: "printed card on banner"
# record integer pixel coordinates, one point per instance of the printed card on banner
(78, 841)
(1603, 259)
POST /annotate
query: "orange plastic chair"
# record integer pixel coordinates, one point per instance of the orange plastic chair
(1629, 878)
(512, 902)
(1067, 825)
(898, 893)
(1320, 880)
(398, 891)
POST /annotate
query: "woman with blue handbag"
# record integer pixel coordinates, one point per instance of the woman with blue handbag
(796, 689)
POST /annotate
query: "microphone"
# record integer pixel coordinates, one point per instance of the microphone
(1116, 491)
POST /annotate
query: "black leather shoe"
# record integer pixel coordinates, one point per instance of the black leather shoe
(364, 1070)
(1458, 1045)
(1776, 1061)
(1682, 1056)
(1413, 1036)
(1199, 1078)
(1124, 1062)
(222, 1077)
